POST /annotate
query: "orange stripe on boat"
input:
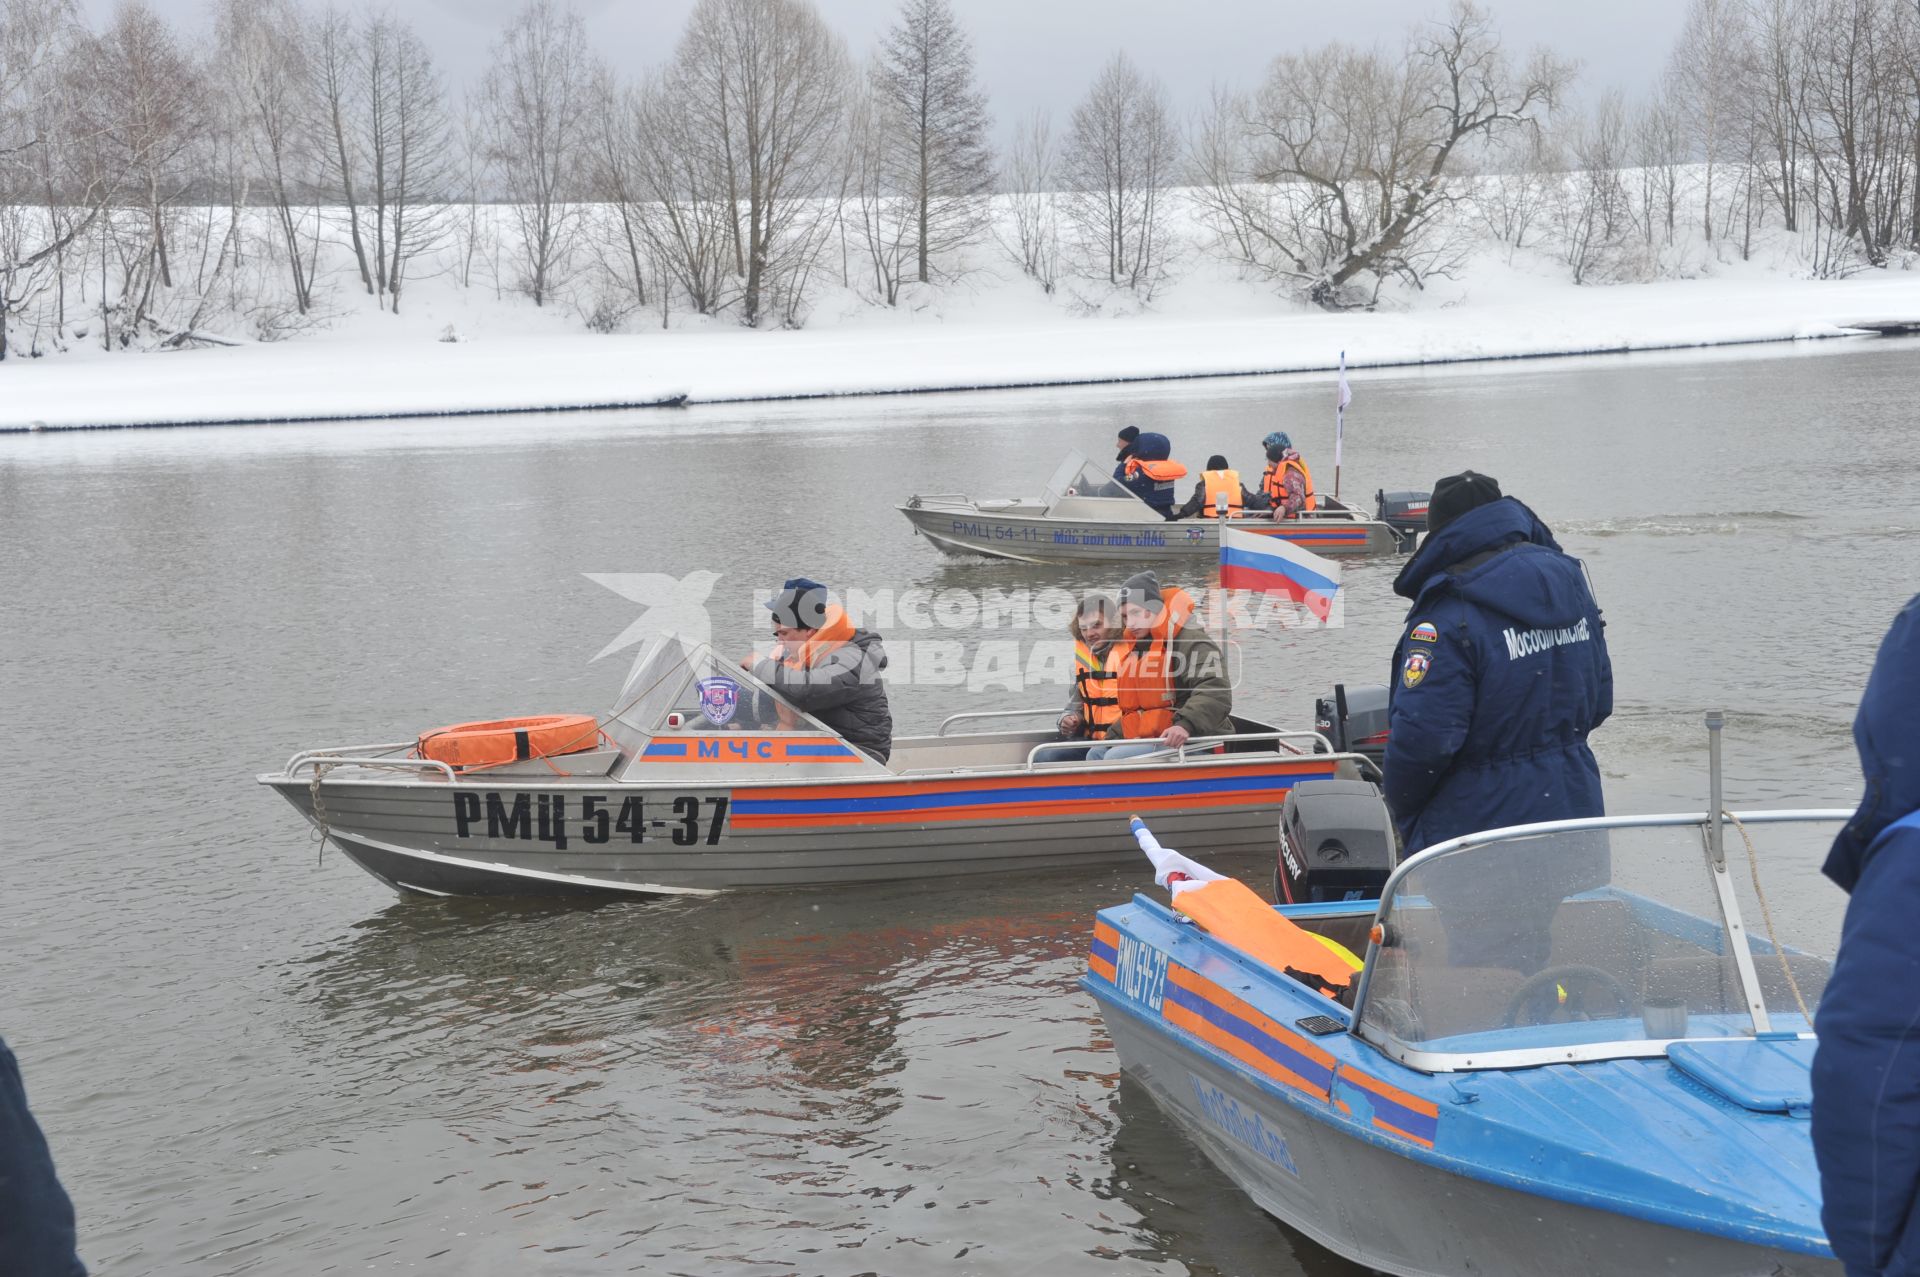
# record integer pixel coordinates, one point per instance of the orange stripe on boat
(1391, 1129)
(1197, 983)
(1367, 1083)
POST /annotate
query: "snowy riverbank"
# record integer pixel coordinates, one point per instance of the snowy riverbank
(378, 366)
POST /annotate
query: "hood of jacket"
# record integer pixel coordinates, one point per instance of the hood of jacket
(1152, 447)
(1889, 747)
(1533, 589)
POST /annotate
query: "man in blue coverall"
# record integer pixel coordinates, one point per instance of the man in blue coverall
(1499, 676)
(36, 1218)
(1866, 1071)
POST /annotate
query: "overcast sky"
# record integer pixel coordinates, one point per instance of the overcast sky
(1043, 53)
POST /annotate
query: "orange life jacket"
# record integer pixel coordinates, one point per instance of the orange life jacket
(836, 631)
(1222, 481)
(1145, 676)
(1158, 471)
(1098, 687)
(1274, 482)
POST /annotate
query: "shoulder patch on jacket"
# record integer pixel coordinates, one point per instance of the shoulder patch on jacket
(1415, 668)
(1425, 632)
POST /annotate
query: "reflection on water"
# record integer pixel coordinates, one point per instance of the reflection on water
(252, 1063)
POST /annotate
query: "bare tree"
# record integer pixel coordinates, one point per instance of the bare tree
(263, 52)
(1659, 148)
(613, 175)
(51, 191)
(147, 107)
(408, 150)
(1033, 203)
(935, 128)
(1773, 87)
(764, 83)
(1358, 150)
(538, 96)
(1592, 209)
(1705, 72)
(692, 217)
(337, 73)
(1119, 159)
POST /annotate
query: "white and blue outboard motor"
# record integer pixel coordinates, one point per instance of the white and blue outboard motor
(1404, 512)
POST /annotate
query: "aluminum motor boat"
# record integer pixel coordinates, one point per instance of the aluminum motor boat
(1083, 516)
(689, 788)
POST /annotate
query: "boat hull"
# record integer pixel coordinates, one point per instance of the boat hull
(1040, 538)
(1332, 1186)
(568, 836)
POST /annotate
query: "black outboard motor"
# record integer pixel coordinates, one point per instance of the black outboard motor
(1404, 512)
(1354, 719)
(1336, 843)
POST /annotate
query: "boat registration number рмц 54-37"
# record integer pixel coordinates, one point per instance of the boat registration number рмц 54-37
(595, 819)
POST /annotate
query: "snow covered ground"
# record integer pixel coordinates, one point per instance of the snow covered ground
(994, 329)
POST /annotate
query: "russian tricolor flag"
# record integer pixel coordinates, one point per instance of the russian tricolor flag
(1274, 565)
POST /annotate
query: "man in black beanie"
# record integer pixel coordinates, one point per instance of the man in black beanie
(1499, 676)
(827, 667)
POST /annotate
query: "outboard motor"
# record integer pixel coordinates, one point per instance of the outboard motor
(1404, 512)
(1336, 843)
(1354, 719)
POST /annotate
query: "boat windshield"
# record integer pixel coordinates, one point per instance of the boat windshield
(1078, 477)
(1599, 940)
(689, 688)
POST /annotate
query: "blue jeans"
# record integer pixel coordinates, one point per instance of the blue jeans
(36, 1217)
(1071, 752)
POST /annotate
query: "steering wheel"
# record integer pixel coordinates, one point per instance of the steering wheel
(1527, 998)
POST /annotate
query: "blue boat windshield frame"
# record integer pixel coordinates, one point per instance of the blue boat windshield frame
(1579, 940)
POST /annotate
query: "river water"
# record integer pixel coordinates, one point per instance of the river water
(251, 1058)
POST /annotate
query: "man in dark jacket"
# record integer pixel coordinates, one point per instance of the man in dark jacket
(1866, 1071)
(825, 667)
(36, 1217)
(1147, 470)
(1499, 676)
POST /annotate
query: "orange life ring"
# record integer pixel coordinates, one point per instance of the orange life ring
(509, 740)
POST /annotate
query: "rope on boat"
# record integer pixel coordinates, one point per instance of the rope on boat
(1766, 913)
(319, 811)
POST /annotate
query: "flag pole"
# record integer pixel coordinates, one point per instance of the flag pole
(1340, 423)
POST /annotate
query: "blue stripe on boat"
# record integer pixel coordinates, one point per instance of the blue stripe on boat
(831, 805)
(666, 749)
(1105, 952)
(818, 751)
(1310, 1071)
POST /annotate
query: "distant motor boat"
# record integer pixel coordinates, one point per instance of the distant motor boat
(708, 781)
(1083, 516)
(1566, 1052)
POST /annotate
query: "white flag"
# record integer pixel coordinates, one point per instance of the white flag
(1340, 412)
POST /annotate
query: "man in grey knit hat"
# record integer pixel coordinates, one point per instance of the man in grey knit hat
(1173, 681)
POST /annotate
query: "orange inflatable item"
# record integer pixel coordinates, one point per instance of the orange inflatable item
(509, 740)
(1232, 912)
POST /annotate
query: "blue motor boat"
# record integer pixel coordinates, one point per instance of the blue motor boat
(1566, 1052)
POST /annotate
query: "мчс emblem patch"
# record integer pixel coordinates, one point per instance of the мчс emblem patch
(1415, 668)
(719, 698)
(1423, 633)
